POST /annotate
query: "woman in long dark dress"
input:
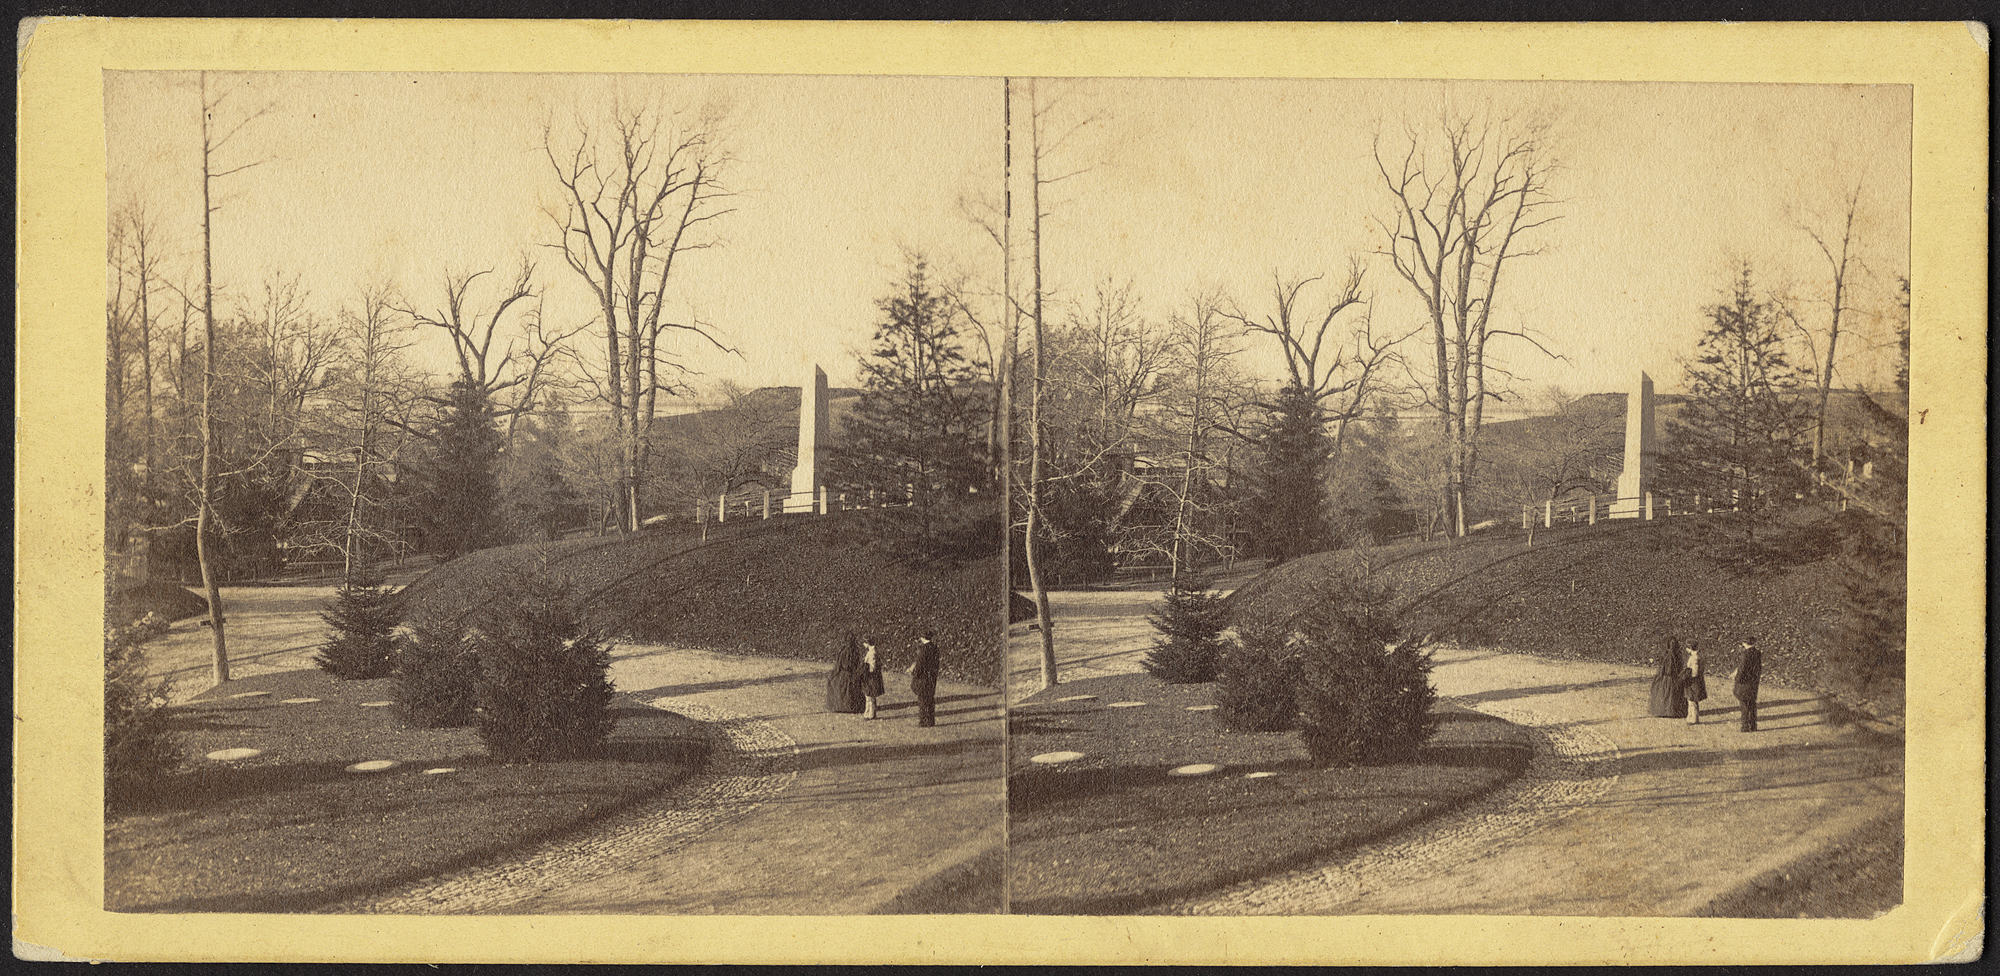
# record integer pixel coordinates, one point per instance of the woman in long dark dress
(843, 683)
(1668, 700)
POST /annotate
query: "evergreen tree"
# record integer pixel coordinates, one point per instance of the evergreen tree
(1364, 692)
(1288, 510)
(917, 431)
(436, 672)
(139, 743)
(461, 510)
(1742, 437)
(1258, 689)
(363, 617)
(1190, 619)
(543, 689)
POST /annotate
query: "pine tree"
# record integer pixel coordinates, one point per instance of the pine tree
(363, 618)
(1742, 437)
(1364, 692)
(1288, 510)
(461, 510)
(139, 743)
(1190, 619)
(916, 433)
(542, 688)
(1259, 679)
(436, 672)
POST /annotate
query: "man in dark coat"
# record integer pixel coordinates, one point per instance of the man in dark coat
(923, 680)
(1748, 673)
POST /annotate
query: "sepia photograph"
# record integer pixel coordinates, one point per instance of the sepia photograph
(999, 493)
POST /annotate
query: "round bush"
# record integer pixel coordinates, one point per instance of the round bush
(435, 673)
(1259, 676)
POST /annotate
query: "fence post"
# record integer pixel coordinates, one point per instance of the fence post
(1524, 516)
(767, 503)
(1593, 509)
(722, 507)
(1649, 506)
(1549, 514)
(823, 508)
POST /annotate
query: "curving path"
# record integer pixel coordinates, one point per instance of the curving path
(800, 812)
(1620, 815)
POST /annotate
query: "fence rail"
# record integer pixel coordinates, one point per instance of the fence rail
(765, 504)
(1587, 509)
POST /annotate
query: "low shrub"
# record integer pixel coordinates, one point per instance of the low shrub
(1190, 619)
(543, 689)
(1259, 678)
(363, 617)
(1364, 692)
(138, 745)
(435, 672)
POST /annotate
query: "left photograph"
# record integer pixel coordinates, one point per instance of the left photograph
(553, 494)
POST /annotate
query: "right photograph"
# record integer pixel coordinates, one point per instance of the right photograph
(1454, 497)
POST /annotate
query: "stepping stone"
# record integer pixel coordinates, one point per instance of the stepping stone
(440, 769)
(1078, 698)
(250, 694)
(229, 755)
(1259, 775)
(373, 766)
(1203, 708)
(1195, 769)
(1056, 757)
(385, 704)
(1124, 704)
(298, 701)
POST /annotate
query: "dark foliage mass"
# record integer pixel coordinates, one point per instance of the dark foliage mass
(1364, 694)
(1288, 512)
(1259, 678)
(139, 745)
(542, 684)
(362, 620)
(1190, 619)
(460, 509)
(435, 671)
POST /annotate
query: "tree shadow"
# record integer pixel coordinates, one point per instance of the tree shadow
(1504, 694)
(675, 691)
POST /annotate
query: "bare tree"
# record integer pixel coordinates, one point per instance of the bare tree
(1041, 144)
(1201, 390)
(212, 142)
(1339, 377)
(639, 194)
(1464, 197)
(376, 387)
(1837, 247)
(473, 336)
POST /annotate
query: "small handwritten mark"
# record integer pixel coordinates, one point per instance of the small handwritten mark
(1921, 414)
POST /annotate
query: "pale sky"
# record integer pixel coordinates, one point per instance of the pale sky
(1185, 185)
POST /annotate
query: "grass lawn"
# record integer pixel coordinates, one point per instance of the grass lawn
(291, 828)
(1113, 832)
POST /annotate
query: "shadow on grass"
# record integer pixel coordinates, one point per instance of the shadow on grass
(675, 691)
(1504, 694)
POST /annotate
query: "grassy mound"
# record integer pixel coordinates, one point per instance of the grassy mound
(1112, 833)
(291, 829)
(1610, 592)
(788, 587)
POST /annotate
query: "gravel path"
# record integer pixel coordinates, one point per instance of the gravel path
(1573, 766)
(750, 763)
(1620, 814)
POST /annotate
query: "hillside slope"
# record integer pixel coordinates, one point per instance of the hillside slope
(791, 587)
(1611, 592)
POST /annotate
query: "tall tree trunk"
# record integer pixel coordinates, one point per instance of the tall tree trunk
(1042, 616)
(1004, 408)
(204, 517)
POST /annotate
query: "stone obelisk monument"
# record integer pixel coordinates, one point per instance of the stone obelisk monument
(812, 444)
(1640, 449)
